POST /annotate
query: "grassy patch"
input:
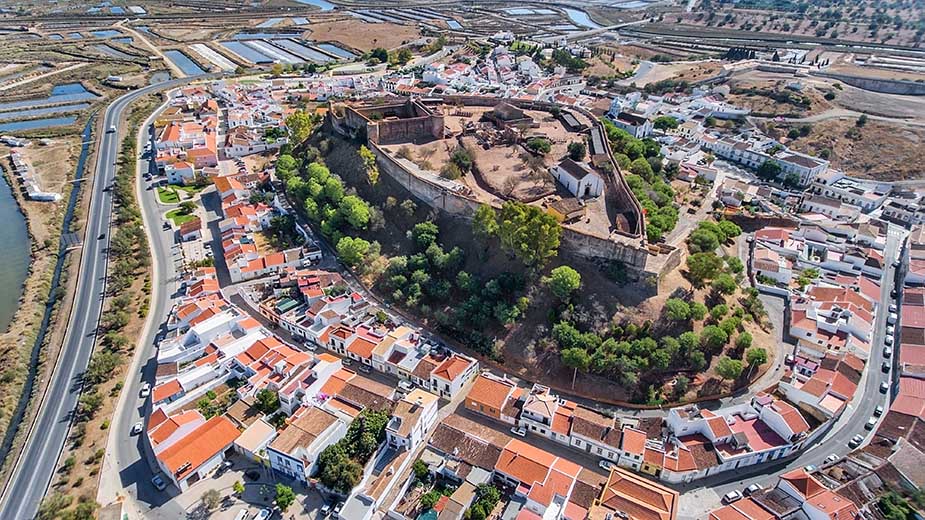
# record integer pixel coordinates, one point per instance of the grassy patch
(179, 218)
(167, 195)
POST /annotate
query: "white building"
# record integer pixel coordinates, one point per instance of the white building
(412, 418)
(295, 450)
(578, 178)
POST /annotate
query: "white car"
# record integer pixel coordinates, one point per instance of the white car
(605, 464)
(887, 352)
(145, 389)
(831, 459)
(888, 340)
(855, 441)
(753, 488)
(732, 496)
(263, 514)
(890, 330)
(137, 427)
(871, 423)
(893, 307)
(891, 319)
(520, 432)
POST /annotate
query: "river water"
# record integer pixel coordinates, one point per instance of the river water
(14, 255)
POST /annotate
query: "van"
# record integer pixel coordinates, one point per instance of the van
(242, 515)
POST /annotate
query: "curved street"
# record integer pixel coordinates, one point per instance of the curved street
(35, 467)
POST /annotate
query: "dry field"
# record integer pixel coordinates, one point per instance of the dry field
(363, 36)
(762, 103)
(687, 71)
(885, 151)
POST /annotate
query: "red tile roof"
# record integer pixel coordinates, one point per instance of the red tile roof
(200, 445)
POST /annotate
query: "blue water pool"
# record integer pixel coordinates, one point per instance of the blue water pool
(320, 4)
(108, 33)
(580, 18)
(32, 124)
(337, 51)
(67, 93)
(453, 24)
(19, 114)
(183, 61)
(246, 52)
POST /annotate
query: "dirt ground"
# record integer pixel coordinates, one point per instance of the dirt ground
(885, 151)
(687, 71)
(765, 105)
(605, 66)
(363, 36)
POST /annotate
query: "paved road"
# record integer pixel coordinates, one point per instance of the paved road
(852, 422)
(841, 113)
(127, 469)
(35, 468)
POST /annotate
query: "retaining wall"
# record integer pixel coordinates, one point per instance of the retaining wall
(887, 86)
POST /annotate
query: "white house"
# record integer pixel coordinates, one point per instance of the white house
(448, 378)
(295, 450)
(179, 172)
(412, 418)
(578, 178)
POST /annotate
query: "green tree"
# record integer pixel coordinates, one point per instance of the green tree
(379, 55)
(300, 124)
(728, 368)
(744, 341)
(539, 145)
(769, 170)
(642, 168)
(730, 229)
(369, 162)
(698, 311)
(702, 241)
(702, 267)
(719, 311)
(725, 284)
(528, 233)
(577, 150)
(485, 223)
(713, 338)
(284, 497)
(756, 356)
(425, 233)
(352, 250)
(563, 281)
(267, 401)
(238, 488)
(665, 123)
(355, 211)
(576, 359)
(735, 265)
(404, 56)
(677, 309)
(421, 473)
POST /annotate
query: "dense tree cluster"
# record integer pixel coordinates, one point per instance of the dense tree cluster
(524, 231)
(340, 465)
(646, 179)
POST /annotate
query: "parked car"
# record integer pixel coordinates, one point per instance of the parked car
(871, 423)
(885, 366)
(884, 387)
(753, 488)
(887, 352)
(519, 431)
(831, 459)
(159, 483)
(407, 386)
(145, 389)
(242, 515)
(855, 441)
(891, 319)
(223, 467)
(605, 464)
(732, 496)
(263, 514)
(365, 369)
(888, 339)
(137, 427)
(789, 359)
(893, 307)
(810, 468)
(878, 411)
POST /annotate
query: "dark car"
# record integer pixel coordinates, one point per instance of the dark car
(101, 237)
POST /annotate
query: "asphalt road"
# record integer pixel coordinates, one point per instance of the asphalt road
(35, 467)
(129, 462)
